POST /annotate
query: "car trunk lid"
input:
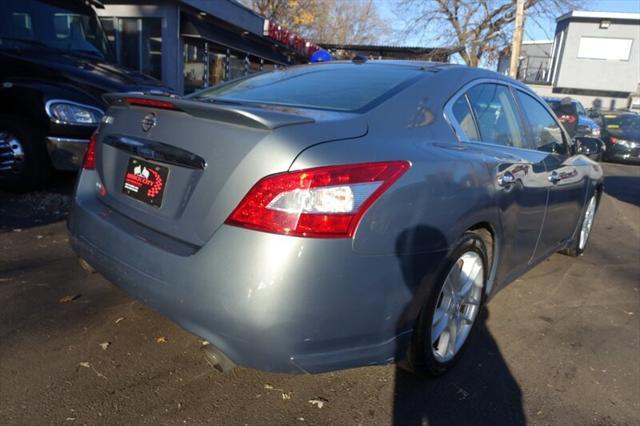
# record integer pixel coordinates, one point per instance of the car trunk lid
(207, 156)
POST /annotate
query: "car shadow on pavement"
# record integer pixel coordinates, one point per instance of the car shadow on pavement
(480, 388)
(624, 188)
(36, 208)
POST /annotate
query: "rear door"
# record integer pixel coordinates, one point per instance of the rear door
(566, 175)
(490, 120)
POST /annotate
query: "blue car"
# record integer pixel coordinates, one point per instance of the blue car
(585, 126)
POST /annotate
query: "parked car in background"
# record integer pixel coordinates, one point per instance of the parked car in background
(305, 230)
(572, 114)
(621, 134)
(55, 63)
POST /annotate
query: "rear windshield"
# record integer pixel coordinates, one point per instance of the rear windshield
(561, 108)
(340, 87)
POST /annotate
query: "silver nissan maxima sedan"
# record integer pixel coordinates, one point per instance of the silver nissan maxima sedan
(335, 215)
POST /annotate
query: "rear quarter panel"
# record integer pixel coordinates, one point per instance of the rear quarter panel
(447, 190)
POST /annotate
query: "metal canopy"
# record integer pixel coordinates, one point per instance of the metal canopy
(197, 27)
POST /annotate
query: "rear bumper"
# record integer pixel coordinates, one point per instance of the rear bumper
(267, 301)
(66, 153)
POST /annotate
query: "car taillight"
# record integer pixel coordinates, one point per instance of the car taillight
(324, 202)
(89, 161)
(567, 119)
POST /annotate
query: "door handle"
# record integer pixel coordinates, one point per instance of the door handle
(554, 177)
(506, 179)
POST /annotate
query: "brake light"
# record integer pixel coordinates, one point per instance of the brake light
(324, 202)
(567, 119)
(152, 103)
(89, 161)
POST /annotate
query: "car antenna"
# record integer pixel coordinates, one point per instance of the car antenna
(359, 59)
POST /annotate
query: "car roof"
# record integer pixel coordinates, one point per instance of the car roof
(555, 98)
(436, 67)
(426, 65)
(408, 62)
(618, 112)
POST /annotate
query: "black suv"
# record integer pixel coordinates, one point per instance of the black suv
(55, 65)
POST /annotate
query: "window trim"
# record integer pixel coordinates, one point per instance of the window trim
(524, 122)
(473, 116)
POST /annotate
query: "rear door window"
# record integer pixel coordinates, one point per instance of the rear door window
(463, 116)
(496, 115)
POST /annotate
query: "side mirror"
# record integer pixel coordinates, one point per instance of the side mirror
(591, 147)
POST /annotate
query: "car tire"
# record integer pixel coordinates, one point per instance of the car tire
(579, 243)
(429, 355)
(24, 145)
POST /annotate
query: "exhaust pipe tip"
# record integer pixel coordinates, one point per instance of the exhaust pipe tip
(217, 359)
(85, 265)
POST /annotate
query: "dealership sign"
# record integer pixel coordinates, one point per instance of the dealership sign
(289, 39)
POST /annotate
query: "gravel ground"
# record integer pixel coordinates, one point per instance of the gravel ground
(37, 208)
(561, 345)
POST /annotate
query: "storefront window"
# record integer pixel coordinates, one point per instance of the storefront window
(130, 47)
(151, 37)
(236, 65)
(207, 64)
(268, 66)
(137, 43)
(255, 64)
(194, 67)
(216, 67)
(109, 27)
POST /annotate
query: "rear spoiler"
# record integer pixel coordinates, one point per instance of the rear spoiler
(242, 115)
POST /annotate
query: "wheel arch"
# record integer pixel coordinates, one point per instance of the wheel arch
(487, 232)
(599, 190)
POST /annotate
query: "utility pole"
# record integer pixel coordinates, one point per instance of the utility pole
(517, 39)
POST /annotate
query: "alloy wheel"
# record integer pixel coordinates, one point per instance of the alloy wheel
(457, 306)
(11, 153)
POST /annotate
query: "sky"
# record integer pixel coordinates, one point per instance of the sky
(533, 31)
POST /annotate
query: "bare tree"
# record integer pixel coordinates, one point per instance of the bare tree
(329, 21)
(296, 15)
(349, 22)
(479, 29)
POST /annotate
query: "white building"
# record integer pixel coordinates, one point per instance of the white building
(594, 57)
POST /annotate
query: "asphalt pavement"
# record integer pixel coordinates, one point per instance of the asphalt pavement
(561, 345)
